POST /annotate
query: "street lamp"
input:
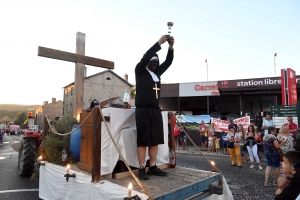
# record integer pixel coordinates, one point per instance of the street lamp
(275, 63)
(206, 69)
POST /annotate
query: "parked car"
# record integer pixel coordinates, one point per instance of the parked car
(14, 129)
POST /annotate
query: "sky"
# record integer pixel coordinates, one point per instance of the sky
(238, 39)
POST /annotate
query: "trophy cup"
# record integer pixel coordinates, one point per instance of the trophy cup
(170, 24)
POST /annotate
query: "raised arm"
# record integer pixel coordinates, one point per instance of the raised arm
(165, 65)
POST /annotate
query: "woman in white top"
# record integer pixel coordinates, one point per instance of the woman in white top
(250, 138)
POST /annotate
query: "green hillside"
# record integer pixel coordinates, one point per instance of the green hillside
(11, 110)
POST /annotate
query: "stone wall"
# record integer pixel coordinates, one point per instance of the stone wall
(100, 86)
(53, 109)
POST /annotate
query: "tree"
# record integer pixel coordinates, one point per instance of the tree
(132, 91)
(20, 118)
(6, 119)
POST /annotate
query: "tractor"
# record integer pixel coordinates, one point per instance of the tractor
(28, 149)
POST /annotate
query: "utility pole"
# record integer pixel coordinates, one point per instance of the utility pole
(275, 63)
(206, 69)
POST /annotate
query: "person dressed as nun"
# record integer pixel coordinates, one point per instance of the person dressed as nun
(148, 116)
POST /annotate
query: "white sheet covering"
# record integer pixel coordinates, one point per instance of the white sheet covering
(227, 195)
(123, 128)
(53, 185)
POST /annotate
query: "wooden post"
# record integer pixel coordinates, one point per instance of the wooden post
(79, 75)
(171, 130)
(45, 133)
(96, 158)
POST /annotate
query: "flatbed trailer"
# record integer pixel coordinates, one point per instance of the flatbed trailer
(92, 183)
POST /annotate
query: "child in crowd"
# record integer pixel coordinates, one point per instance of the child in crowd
(289, 185)
(210, 143)
(217, 144)
(224, 142)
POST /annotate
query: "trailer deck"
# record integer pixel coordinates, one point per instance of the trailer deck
(180, 183)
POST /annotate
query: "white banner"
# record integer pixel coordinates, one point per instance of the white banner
(222, 125)
(199, 89)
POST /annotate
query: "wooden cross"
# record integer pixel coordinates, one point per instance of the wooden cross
(81, 60)
(156, 88)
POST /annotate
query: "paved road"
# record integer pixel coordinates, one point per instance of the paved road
(244, 183)
(10, 179)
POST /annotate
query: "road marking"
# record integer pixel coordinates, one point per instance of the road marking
(16, 141)
(21, 190)
(2, 158)
(5, 142)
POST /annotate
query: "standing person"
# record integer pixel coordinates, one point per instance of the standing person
(1, 139)
(284, 134)
(183, 137)
(252, 146)
(148, 116)
(268, 122)
(234, 137)
(259, 143)
(212, 132)
(232, 124)
(255, 127)
(292, 126)
(212, 129)
(270, 143)
(242, 142)
(176, 135)
(224, 142)
(203, 130)
(210, 143)
(217, 144)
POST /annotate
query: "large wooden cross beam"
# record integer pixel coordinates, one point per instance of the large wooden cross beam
(81, 60)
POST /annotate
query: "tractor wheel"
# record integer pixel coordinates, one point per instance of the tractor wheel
(27, 153)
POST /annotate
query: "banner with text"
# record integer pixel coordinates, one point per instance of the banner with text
(222, 125)
(193, 118)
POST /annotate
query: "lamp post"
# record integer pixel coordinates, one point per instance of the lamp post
(275, 63)
(206, 69)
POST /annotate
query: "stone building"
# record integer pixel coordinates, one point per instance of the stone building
(99, 86)
(53, 109)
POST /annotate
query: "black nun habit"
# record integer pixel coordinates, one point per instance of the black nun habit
(148, 116)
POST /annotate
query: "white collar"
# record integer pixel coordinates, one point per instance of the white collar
(154, 77)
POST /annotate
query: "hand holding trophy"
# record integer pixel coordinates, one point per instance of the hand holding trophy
(170, 38)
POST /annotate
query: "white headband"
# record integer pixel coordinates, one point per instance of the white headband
(154, 57)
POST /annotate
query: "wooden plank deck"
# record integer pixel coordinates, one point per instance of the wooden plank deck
(180, 183)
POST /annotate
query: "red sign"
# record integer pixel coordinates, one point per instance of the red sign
(288, 87)
(206, 87)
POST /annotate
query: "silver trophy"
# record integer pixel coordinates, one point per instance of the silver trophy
(170, 24)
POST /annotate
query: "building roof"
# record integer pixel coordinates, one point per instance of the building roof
(103, 73)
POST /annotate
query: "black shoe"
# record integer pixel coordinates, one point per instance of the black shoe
(142, 174)
(156, 171)
(233, 165)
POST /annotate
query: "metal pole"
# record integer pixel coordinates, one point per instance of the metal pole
(206, 69)
(275, 63)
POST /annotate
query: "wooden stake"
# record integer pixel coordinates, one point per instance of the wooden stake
(96, 162)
